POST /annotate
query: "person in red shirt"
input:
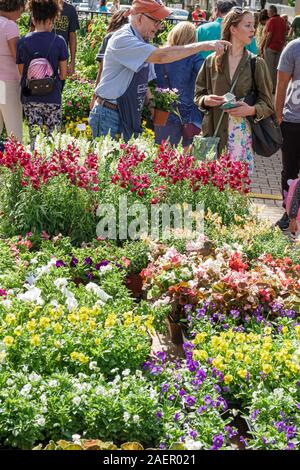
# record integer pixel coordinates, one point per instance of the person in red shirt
(198, 15)
(274, 41)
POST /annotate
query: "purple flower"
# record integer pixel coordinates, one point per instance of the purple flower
(201, 375)
(254, 414)
(217, 388)
(193, 434)
(234, 313)
(298, 406)
(188, 347)
(89, 275)
(207, 399)
(190, 401)
(243, 441)
(265, 441)
(73, 262)
(59, 263)
(218, 442)
(280, 426)
(230, 431)
(290, 432)
(162, 445)
(159, 414)
(164, 388)
(171, 397)
(182, 392)
(101, 264)
(88, 261)
(290, 446)
(176, 417)
(162, 356)
(201, 409)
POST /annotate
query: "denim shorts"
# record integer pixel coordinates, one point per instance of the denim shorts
(103, 120)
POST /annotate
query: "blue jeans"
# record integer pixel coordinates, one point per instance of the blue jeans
(103, 120)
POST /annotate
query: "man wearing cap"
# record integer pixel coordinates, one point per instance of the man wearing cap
(127, 69)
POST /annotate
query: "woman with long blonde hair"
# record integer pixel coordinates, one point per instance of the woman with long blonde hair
(181, 75)
(216, 78)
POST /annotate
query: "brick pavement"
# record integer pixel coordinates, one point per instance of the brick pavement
(266, 180)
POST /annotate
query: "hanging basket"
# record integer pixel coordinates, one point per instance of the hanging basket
(160, 117)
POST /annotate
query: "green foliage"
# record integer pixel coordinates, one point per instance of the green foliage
(76, 99)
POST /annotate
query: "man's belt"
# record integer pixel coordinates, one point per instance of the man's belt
(107, 104)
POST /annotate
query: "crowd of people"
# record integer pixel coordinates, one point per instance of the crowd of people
(204, 60)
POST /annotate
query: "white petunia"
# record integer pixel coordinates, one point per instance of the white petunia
(33, 294)
(26, 390)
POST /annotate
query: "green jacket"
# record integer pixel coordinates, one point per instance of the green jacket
(209, 82)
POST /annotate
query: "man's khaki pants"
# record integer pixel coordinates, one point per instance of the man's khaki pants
(11, 108)
(272, 58)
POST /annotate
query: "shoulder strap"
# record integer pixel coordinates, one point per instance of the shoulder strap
(253, 67)
(31, 54)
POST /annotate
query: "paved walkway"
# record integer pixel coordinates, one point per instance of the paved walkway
(266, 181)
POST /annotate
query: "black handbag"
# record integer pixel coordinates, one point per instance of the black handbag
(266, 133)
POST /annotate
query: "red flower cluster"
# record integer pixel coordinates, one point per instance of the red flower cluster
(236, 262)
(222, 173)
(130, 160)
(38, 170)
(173, 166)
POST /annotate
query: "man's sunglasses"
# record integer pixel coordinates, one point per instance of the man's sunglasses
(157, 22)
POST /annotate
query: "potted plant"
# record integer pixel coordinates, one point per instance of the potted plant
(164, 100)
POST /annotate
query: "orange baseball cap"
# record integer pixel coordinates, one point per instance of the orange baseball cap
(155, 8)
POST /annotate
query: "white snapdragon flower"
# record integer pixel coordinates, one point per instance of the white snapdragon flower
(26, 390)
(76, 401)
(40, 421)
(33, 294)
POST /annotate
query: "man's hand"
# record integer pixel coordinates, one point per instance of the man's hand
(218, 46)
(71, 69)
(242, 111)
(93, 102)
(213, 100)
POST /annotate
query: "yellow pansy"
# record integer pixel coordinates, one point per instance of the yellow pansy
(268, 330)
(284, 330)
(267, 368)
(74, 356)
(200, 337)
(137, 320)
(92, 324)
(149, 322)
(10, 318)
(265, 357)
(57, 344)
(228, 379)
(44, 322)
(200, 354)
(72, 318)
(31, 325)
(83, 317)
(242, 373)
(110, 320)
(57, 328)
(239, 356)
(247, 360)
(82, 358)
(218, 363)
(97, 341)
(8, 341)
(35, 340)
(18, 330)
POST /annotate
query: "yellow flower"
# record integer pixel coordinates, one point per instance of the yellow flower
(149, 322)
(97, 341)
(110, 320)
(200, 337)
(82, 358)
(8, 341)
(265, 357)
(18, 330)
(267, 368)
(284, 330)
(74, 356)
(297, 331)
(57, 344)
(218, 363)
(268, 330)
(242, 373)
(10, 319)
(247, 360)
(200, 354)
(35, 340)
(92, 324)
(137, 320)
(239, 356)
(227, 379)
(57, 328)
(31, 325)
(44, 322)
(72, 318)
(83, 317)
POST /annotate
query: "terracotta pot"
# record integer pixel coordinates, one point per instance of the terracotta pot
(175, 331)
(134, 284)
(160, 117)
